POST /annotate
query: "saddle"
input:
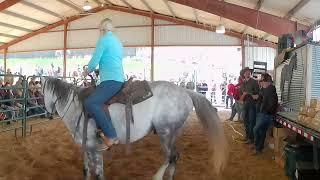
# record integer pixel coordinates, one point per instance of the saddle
(132, 92)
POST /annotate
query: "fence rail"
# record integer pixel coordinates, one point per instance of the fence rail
(20, 101)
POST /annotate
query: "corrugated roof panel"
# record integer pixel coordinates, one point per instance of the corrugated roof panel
(33, 13)
(137, 4)
(118, 19)
(310, 12)
(182, 11)
(159, 7)
(232, 25)
(278, 8)
(118, 2)
(5, 39)
(55, 6)
(19, 22)
(208, 18)
(13, 32)
(245, 3)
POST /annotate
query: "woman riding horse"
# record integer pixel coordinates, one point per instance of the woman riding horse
(108, 55)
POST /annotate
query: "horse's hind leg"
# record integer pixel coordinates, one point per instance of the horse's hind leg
(174, 157)
(167, 139)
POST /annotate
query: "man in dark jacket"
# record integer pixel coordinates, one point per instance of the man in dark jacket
(248, 89)
(268, 109)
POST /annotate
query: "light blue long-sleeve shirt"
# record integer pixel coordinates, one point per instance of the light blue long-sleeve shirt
(108, 55)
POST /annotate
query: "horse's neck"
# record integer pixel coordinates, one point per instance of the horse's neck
(63, 109)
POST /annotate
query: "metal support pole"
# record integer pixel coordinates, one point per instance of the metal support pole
(152, 47)
(65, 38)
(243, 60)
(5, 60)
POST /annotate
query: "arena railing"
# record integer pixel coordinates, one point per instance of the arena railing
(39, 109)
(12, 104)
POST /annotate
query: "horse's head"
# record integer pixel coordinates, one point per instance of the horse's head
(48, 96)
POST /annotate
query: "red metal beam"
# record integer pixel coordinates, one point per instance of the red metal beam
(137, 12)
(268, 23)
(7, 3)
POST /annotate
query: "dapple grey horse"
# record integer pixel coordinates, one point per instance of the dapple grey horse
(166, 112)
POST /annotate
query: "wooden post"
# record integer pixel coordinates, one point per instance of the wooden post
(65, 38)
(152, 47)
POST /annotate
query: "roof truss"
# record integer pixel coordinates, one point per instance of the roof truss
(268, 23)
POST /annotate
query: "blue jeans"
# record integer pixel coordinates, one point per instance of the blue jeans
(260, 130)
(227, 101)
(236, 108)
(249, 119)
(95, 102)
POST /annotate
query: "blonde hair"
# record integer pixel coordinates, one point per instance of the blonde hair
(105, 26)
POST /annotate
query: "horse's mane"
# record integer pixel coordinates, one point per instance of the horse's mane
(60, 88)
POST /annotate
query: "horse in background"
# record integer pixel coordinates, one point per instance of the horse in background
(165, 112)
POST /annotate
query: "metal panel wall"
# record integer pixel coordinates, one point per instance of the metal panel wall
(263, 54)
(45, 41)
(137, 36)
(297, 93)
(315, 86)
(183, 35)
(118, 19)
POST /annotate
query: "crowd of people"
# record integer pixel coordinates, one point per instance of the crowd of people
(12, 97)
(256, 104)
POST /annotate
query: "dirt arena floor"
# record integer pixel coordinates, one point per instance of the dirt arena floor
(49, 154)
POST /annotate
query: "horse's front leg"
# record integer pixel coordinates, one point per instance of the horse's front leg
(97, 161)
(86, 166)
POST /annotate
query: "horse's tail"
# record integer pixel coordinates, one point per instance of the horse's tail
(210, 120)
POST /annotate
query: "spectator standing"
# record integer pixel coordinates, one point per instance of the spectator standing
(248, 89)
(237, 106)
(230, 92)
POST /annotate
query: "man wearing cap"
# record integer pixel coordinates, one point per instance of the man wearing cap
(269, 101)
(108, 55)
(248, 89)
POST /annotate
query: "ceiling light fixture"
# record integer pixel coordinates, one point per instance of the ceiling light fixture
(220, 29)
(86, 6)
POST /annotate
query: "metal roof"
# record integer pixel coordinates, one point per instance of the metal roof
(21, 18)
